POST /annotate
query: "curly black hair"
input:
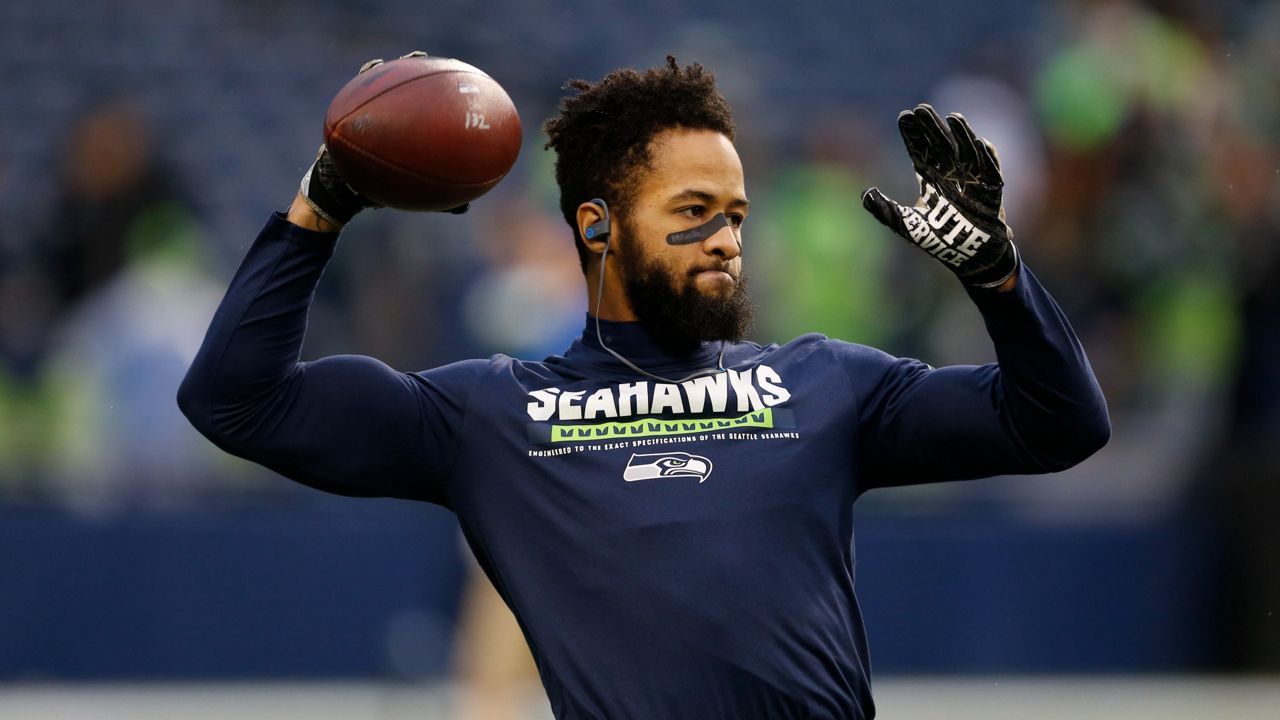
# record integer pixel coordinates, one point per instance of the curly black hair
(602, 135)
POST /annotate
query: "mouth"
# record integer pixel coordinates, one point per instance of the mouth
(714, 282)
(717, 275)
(719, 272)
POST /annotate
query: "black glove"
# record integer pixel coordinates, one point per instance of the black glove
(325, 190)
(959, 217)
(328, 194)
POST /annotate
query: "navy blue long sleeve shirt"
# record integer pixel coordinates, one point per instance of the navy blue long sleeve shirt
(671, 550)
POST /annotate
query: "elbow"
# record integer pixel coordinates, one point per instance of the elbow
(195, 400)
(217, 410)
(1076, 440)
(1093, 428)
(1093, 433)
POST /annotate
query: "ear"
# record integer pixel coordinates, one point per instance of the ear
(593, 219)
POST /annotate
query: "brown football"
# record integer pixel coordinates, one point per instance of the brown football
(422, 133)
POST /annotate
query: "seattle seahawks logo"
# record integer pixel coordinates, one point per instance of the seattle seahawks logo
(647, 466)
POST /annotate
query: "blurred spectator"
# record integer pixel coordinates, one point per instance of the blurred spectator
(1129, 243)
(27, 301)
(102, 320)
(117, 438)
(112, 181)
(817, 262)
(530, 300)
(25, 310)
(1245, 470)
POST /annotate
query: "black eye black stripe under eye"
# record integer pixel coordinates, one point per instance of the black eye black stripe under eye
(700, 233)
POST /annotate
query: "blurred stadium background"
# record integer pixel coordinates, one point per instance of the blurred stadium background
(142, 144)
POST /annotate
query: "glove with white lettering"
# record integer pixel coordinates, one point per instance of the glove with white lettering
(959, 217)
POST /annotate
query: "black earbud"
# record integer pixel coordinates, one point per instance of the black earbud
(602, 228)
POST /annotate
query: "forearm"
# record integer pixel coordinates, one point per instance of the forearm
(1045, 389)
(1038, 410)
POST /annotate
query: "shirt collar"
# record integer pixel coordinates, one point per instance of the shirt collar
(636, 343)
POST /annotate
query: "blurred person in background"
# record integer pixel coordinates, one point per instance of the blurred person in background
(1164, 163)
(114, 180)
(526, 302)
(115, 439)
(22, 307)
(108, 299)
(1126, 104)
(19, 341)
(829, 275)
(1244, 157)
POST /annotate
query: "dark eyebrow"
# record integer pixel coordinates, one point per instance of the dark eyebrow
(708, 198)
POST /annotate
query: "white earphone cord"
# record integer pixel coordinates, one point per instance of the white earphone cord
(600, 337)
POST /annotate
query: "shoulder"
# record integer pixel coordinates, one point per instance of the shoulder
(492, 373)
(864, 367)
(811, 347)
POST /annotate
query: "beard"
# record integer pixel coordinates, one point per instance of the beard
(669, 305)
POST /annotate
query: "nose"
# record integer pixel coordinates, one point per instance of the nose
(725, 243)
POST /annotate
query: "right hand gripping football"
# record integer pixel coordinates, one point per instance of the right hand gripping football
(328, 193)
(959, 216)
